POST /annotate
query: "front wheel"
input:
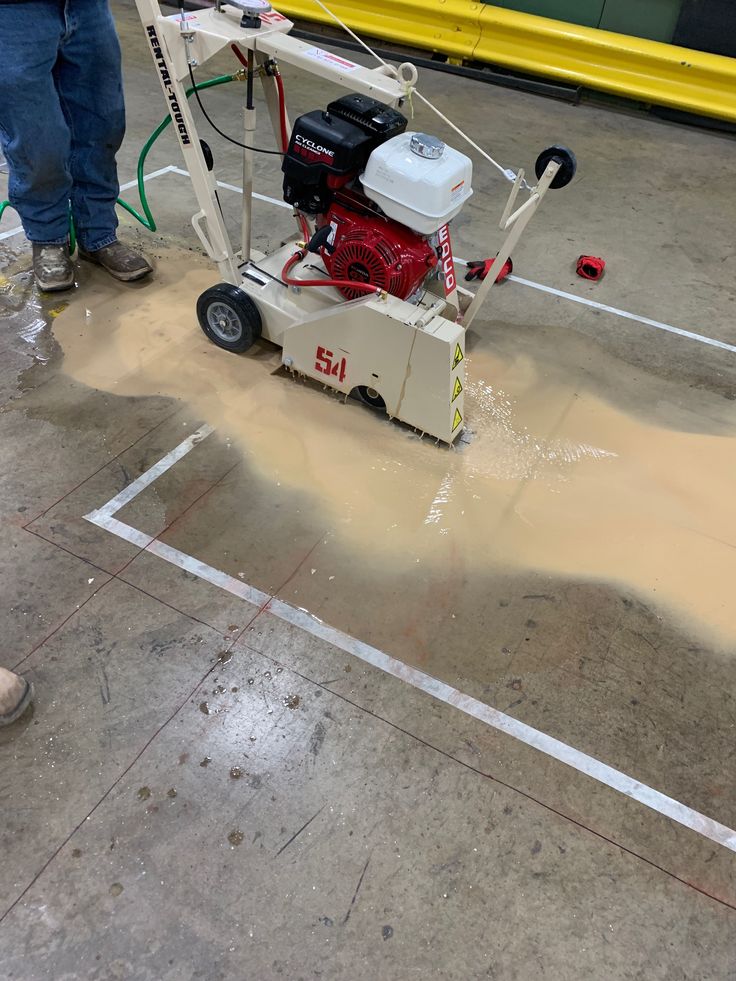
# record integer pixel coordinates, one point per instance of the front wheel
(229, 317)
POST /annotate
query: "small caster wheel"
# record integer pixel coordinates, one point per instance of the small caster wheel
(229, 317)
(369, 396)
(564, 157)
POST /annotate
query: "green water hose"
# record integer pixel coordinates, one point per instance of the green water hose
(146, 219)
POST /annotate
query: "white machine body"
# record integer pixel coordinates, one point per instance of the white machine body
(385, 317)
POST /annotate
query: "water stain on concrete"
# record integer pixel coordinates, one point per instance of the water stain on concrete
(549, 476)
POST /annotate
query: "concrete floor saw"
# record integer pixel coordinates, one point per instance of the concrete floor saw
(365, 298)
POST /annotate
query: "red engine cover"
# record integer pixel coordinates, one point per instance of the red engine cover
(370, 248)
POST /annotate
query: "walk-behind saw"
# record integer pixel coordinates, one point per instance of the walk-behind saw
(365, 298)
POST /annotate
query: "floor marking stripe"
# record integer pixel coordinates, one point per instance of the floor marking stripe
(302, 619)
(574, 758)
(123, 187)
(211, 575)
(119, 528)
(12, 231)
(148, 177)
(146, 479)
(701, 338)
(238, 190)
(180, 559)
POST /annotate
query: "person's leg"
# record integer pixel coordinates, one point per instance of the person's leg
(89, 82)
(15, 696)
(34, 134)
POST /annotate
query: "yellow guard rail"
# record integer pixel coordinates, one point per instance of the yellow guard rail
(648, 71)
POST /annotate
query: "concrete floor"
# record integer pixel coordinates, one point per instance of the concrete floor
(167, 815)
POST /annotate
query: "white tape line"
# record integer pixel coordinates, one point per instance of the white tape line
(211, 575)
(701, 338)
(148, 177)
(180, 559)
(574, 758)
(239, 190)
(123, 187)
(304, 620)
(119, 528)
(10, 232)
(146, 479)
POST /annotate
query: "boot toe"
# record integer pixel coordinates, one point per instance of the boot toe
(15, 696)
(121, 261)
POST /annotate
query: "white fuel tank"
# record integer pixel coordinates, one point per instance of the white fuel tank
(419, 181)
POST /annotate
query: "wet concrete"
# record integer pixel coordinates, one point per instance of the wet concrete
(320, 819)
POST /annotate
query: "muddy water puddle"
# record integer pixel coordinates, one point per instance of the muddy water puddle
(550, 477)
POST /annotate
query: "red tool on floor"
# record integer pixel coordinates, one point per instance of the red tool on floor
(479, 269)
(590, 267)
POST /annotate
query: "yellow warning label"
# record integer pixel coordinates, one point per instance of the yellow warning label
(457, 420)
(456, 390)
(458, 356)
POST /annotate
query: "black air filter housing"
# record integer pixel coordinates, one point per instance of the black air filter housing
(335, 142)
(321, 144)
(373, 117)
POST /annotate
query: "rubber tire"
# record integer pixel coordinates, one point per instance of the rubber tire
(244, 311)
(374, 401)
(567, 161)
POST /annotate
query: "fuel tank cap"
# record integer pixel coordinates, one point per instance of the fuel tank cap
(426, 146)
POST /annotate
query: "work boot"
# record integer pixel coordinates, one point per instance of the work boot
(52, 267)
(120, 261)
(15, 696)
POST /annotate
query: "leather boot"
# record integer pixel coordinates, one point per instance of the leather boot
(52, 267)
(120, 261)
(15, 696)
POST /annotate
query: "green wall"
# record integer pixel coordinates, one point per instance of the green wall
(586, 12)
(655, 19)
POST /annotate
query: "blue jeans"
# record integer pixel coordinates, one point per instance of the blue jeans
(62, 117)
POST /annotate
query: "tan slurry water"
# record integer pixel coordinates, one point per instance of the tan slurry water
(551, 477)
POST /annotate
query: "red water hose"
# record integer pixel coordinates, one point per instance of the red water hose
(239, 55)
(303, 223)
(349, 284)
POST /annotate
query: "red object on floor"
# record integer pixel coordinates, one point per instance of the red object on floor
(479, 269)
(590, 267)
